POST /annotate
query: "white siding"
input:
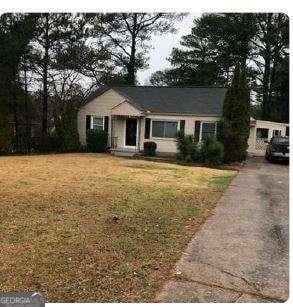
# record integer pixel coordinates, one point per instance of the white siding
(119, 131)
(169, 145)
(100, 106)
(271, 126)
(125, 109)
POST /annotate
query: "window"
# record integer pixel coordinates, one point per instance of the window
(163, 129)
(207, 129)
(276, 133)
(262, 133)
(97, 123)
(147, 128)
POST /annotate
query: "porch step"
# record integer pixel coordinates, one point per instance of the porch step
(124, 152)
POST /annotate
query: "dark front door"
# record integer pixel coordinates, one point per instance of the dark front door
(130, 133)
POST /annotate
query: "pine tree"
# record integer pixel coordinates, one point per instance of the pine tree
(234, 127)
(208, 54)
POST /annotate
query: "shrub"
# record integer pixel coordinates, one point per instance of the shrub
(188, 150)
(149, 148)
(66, 127)
(48, 143)
(97, 140)
(212, 151)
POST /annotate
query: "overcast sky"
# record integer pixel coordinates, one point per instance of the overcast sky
(162, 47)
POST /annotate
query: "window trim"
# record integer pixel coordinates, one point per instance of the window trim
(97, 116)
(279, 131)
(137, 135)
(163, 120)
(261, 128)
(206, 122)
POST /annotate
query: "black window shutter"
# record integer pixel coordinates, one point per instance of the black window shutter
(182, 126)
(106, 123)
(147, 128)
(88, 122)
(196, 131)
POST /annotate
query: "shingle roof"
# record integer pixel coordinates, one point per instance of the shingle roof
(181, 100)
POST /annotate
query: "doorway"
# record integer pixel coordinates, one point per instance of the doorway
(130, 131)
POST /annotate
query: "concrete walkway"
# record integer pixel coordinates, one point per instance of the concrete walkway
(241, 252)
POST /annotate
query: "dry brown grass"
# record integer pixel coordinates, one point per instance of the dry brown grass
(96, 228)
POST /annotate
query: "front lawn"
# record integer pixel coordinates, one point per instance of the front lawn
(98, 228)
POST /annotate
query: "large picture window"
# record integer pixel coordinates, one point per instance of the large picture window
(164, 129)
(207, 129)
(98, 123)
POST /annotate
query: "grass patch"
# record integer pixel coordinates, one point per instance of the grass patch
(97, 228)
(221, 181)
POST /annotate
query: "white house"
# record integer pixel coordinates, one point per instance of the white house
(133, 115)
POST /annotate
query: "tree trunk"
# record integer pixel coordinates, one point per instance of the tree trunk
(27, 115)
(45, 78)
(13, 97)
(266, 108)
(131, 70)
(245, 19)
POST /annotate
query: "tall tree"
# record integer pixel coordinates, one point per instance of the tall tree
(209, 53)
(16, 30)
(194, 63)
(234, 128)
(126, 36)
(217, 42)
(65, 97)
(271, 46)
(279, 108)
(230, 36)
(56, 32)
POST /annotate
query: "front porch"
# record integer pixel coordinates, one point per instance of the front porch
(125, 130)
(124, 134)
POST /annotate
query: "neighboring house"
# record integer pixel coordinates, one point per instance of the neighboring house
(136, 114)
(261, 132)
(133, 115)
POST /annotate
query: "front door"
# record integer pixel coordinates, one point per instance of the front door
(130, 132)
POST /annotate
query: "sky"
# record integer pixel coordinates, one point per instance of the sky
(162, 47)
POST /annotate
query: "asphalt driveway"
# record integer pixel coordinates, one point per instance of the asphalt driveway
(241, 252)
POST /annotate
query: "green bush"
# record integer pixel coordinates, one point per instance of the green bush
(97, 140)
(211, 151)
(46, 144)
(234, 142)
(149, 148)
(66, 127)
(188, 150)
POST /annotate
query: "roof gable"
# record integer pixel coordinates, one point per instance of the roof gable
(125, 108)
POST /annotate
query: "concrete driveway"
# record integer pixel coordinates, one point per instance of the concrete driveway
(241, 252)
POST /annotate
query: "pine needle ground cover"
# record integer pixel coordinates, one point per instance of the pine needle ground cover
(97, 228)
